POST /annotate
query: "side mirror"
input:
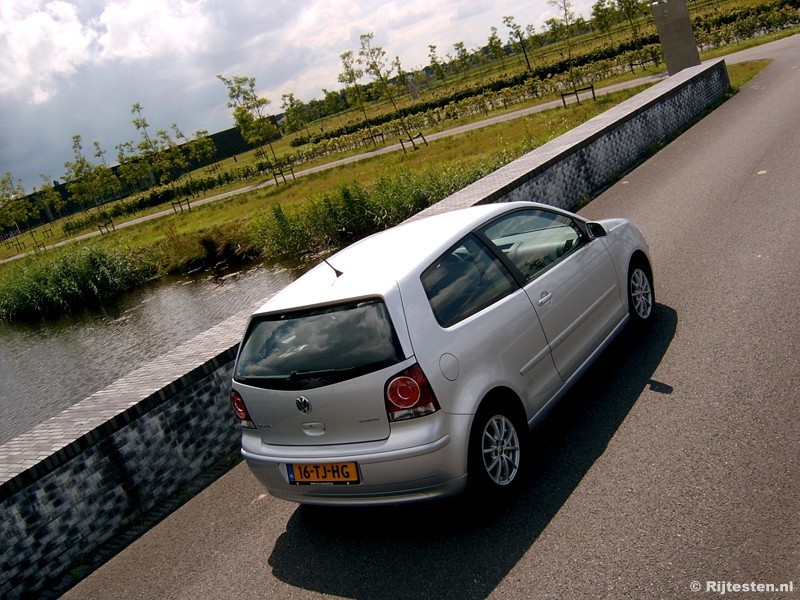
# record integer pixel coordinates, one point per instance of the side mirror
(596, 230)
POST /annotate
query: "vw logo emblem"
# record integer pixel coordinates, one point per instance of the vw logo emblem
(303, 404)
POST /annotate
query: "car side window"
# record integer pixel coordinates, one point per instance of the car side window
(464, 281)
(534, 239)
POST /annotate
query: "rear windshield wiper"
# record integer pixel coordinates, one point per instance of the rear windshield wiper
(310, 374)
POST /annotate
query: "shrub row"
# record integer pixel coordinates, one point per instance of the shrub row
(540, 73)
(708, 22)
(745, 23)
(485, 102)
(160, 196)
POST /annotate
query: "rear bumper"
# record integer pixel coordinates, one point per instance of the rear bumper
(421, 459)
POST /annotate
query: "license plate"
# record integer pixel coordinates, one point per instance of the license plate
(332, 473)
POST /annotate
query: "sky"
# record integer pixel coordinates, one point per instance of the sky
(72, 67)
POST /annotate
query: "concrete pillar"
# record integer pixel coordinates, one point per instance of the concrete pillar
(676, 34)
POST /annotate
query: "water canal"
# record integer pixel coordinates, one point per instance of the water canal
(48, 367)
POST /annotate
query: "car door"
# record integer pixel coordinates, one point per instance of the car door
(484, 327)
(569, 278)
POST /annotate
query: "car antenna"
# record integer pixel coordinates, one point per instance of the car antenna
(335, 270)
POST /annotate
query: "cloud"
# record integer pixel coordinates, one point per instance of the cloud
(45, 42)
(141, 29)
(321, 24)
(41, 43)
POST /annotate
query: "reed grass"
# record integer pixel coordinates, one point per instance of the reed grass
(84, 277)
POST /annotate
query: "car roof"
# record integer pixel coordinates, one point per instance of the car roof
(374, 266)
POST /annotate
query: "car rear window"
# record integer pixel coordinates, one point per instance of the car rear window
(312, 348)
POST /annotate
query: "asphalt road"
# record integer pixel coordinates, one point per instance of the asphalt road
(675, 460)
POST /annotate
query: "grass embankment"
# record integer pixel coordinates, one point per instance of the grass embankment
(309, 216)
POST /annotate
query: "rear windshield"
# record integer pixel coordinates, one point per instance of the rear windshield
(308, 349)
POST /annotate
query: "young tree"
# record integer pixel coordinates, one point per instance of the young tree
(438, 69)
(496, 47)
(374, 60)
(567, 18)
(249, 113)
(581, 26)
(141, 124)
(80, 176)
(184, 150)
(133, 169)
(333, 102)
(108, 181)
(48, 196)
(631, 9)
(14, 206)
(201, 149)
(295, 112)
(516, 38)
(533, 38)
(350, 76)
(405, 80)
(604, 16)
(169, 159)
(462, 56)
(147, 147)
(553, 28)
(99, 152)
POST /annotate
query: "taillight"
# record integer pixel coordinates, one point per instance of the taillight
(240, 410)
(409, 395)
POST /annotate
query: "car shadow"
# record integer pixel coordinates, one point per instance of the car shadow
(457, 548)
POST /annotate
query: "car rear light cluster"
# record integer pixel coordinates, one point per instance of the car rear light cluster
(409, 395)
(240, 410)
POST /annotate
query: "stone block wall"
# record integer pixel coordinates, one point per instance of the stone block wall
(75, 481)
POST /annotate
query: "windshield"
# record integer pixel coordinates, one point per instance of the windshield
(307, 349)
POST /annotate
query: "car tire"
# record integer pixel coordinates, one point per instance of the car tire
(641, 294)
(496, 450)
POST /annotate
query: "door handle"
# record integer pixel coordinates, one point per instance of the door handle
(545, 299)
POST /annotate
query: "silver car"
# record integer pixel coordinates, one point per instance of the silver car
(411, 364)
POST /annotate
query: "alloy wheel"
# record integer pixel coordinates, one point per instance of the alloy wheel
(641, 294)
(500, 450)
